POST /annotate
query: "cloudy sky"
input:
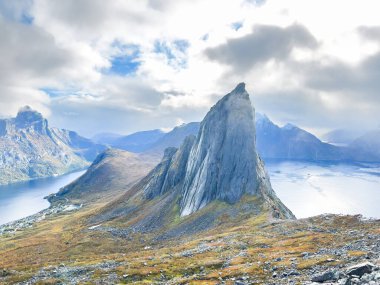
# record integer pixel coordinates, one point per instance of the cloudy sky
(129, 65)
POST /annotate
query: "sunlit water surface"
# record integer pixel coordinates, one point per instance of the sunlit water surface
(310, 189)
(307, 189)
(27, 198)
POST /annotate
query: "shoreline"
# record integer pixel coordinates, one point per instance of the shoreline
(38, 190)
(29, 221)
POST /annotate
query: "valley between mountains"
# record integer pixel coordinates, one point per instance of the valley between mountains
(205, 213)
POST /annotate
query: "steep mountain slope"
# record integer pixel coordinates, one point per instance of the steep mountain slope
(30, 149)
(112, 172)
(213, 175)
(291, 142)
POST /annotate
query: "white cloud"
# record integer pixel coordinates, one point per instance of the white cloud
(68, 45)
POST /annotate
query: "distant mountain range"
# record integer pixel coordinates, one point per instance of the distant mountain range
(136, 142)
(342, 137)
(367, 145)
(153, 141)
(273, 142)
(30, 149)
(292, 143)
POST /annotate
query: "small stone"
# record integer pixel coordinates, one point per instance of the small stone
(305, 254)
(355, 281)
(326, 276)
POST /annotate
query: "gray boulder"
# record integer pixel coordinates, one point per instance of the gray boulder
(326, 276)
(360, 269)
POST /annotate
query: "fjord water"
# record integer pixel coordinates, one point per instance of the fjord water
(27, 198)
(310, 189)
(307, 189)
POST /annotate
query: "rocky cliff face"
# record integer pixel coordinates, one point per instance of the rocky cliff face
(223, 161)
(220, 164)
(30, 149)
(171, 171)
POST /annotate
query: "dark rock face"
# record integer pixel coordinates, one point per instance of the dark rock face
(326, 276)
(177, 169)
(158, 176)
(221, 163)
(360, 269)
(171, 171)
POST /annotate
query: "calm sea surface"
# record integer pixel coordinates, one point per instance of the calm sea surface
(26, 198)
(310, 189)
(307, 189)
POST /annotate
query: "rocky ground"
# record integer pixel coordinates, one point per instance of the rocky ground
(28, 222)
(326, 249)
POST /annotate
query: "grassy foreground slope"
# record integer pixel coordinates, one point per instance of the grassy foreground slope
(260, 250)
